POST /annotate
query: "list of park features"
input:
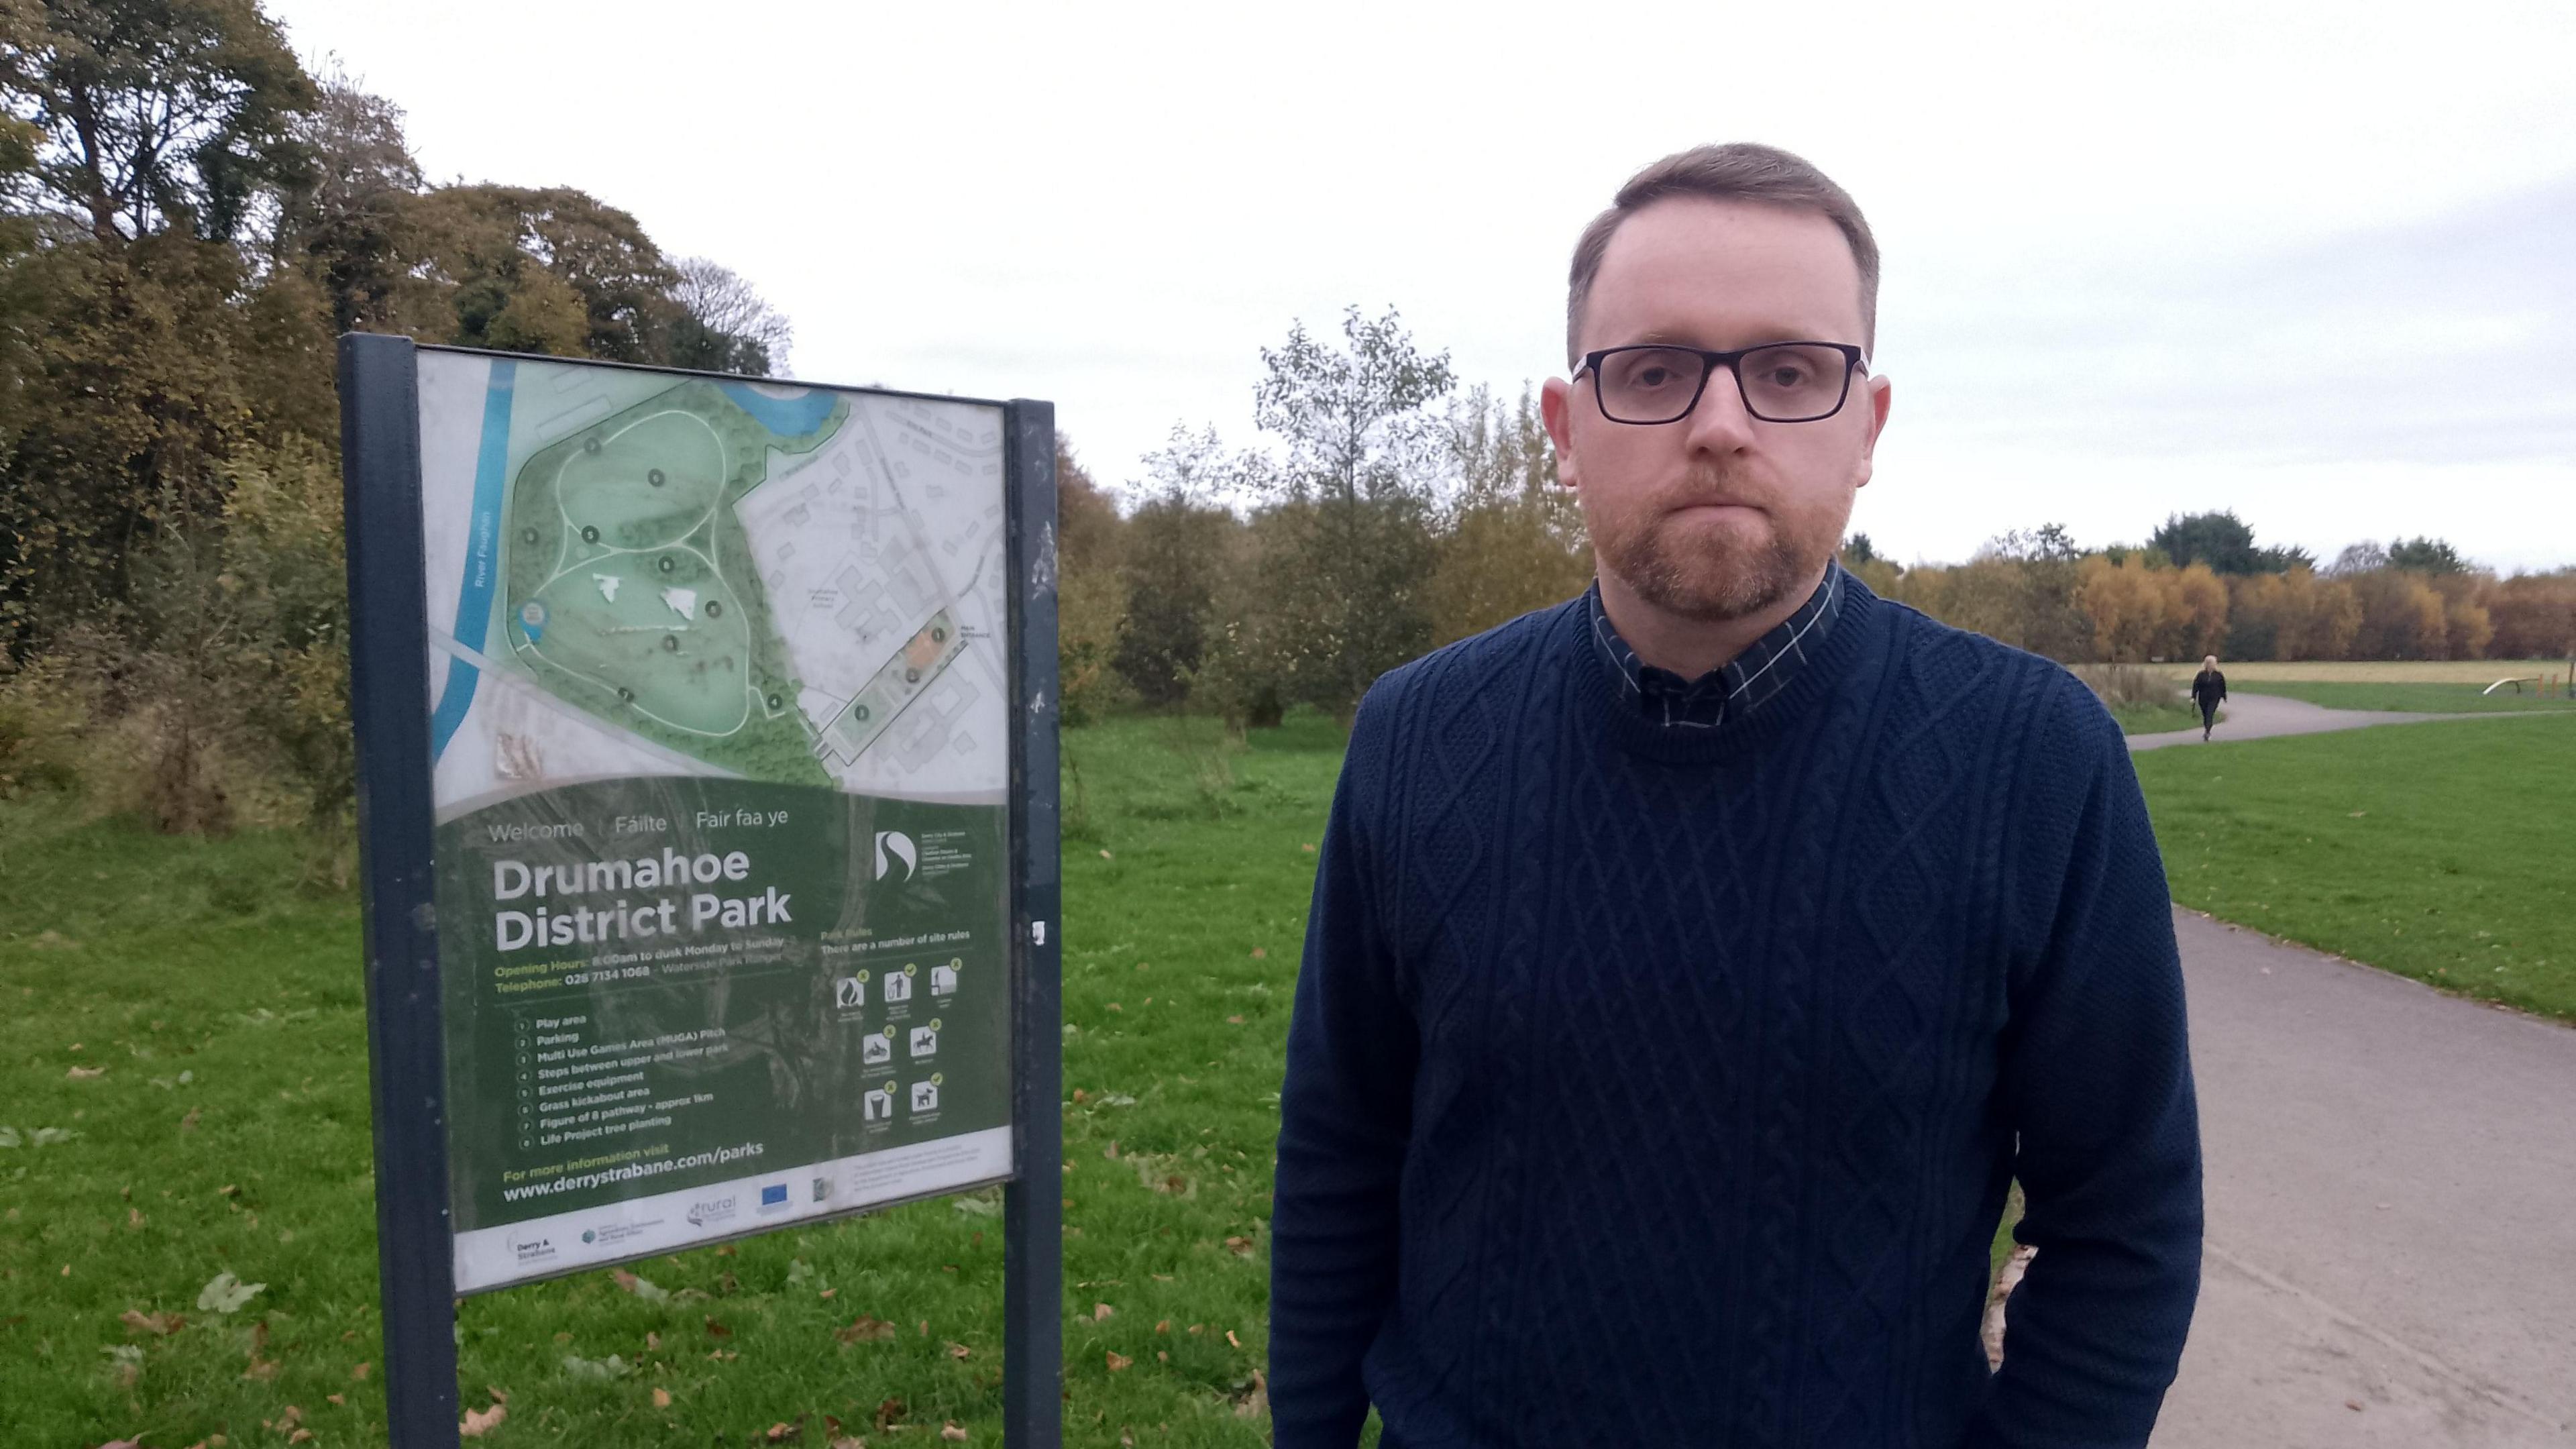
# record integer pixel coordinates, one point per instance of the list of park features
(681, 1008)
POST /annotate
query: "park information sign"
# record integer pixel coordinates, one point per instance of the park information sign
(710, 876)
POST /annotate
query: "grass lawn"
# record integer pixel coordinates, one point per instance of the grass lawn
(2415, 696)
(183, 1093)
(2438, 851)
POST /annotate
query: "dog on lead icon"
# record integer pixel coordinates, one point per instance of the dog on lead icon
(925, 1096)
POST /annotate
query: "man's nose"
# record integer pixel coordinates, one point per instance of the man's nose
(1720, 424)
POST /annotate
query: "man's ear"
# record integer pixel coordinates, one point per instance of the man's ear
(1556, 409)
(1881, 393)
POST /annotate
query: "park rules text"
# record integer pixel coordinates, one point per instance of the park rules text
(561, 925)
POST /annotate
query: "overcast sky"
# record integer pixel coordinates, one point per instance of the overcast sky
(2313, 263)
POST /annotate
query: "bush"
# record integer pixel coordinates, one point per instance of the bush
(2129, 686)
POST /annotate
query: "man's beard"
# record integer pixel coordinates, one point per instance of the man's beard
(1710, 575)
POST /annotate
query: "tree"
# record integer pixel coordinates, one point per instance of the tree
(1359, 456)
(724, 325)
(1513, 540)
(1858, 550)
(2224, 542)
(154, 113)
(355, 227)
(2401, 617)
(2358, 558)
(552, 270)
(2426, 556)
(1091, 598)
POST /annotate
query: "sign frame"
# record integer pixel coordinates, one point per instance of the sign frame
(389, 706)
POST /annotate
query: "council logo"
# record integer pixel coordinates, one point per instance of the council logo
(894, 848)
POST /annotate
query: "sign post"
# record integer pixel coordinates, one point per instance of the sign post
(707, 767)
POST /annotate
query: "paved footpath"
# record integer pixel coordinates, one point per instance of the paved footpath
(2258, 716)
(2391, 1254)
(2391, 1259)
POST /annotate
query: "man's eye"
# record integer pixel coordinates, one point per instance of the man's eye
(1652, 376)
(1787, 377)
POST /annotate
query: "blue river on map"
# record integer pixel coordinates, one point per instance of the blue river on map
(482, 558)
(789, 417)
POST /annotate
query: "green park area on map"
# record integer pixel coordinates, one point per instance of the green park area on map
(631, 588)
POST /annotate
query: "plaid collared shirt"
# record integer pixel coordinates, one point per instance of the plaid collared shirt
(1734, 689)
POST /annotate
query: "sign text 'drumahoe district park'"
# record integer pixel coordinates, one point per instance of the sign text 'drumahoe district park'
(714, 816)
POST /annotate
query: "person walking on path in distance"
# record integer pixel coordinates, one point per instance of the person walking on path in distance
(1692, 965)
(2208, 687)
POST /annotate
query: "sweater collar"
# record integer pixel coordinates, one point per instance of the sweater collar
(1733, 691)
(1827, 658)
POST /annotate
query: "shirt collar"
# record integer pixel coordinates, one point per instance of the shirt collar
(1733, 690)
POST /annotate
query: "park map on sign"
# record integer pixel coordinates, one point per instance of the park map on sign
(799, 586)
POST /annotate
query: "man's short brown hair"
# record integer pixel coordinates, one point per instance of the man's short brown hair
(1740, 171)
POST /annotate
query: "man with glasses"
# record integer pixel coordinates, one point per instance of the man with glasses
(1693, 965)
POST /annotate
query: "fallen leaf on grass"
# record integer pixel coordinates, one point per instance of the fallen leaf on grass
(360, 1371)
(890, 1412)
(643, 1288)
(866, 1327)
(784, 1433)
(954, 1433)
(163, 1324)
(1230, 1338)
(1101, 1311)
(717, 1330)
(1260, 954)
(959, 1350)
(189, 1122)
(126, 1359)
(479, 1422)
(225, 1293)
(1118, 1361)
(1240, 1247)
(83, 1074)
(661, 1398)
(1234, 1021)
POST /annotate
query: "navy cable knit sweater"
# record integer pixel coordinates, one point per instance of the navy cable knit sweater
(1655, 1087)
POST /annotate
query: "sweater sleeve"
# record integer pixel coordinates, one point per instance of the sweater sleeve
(2096, 1077)
(1345, 1118)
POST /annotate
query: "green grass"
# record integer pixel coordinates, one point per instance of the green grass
(228, 1133)
(2438, 851)
(2415, 696)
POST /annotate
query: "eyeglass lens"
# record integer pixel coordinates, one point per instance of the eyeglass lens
(1785, 384)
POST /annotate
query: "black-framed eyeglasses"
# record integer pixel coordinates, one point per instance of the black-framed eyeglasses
(1780, 382)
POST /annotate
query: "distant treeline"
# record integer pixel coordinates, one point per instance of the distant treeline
(2199, 586)
(187, 219)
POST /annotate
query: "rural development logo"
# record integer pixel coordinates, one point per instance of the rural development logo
(895, 848)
